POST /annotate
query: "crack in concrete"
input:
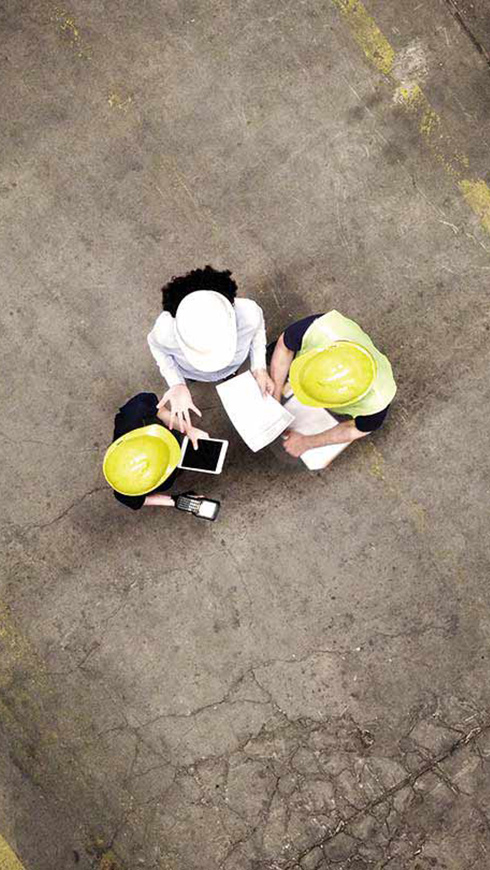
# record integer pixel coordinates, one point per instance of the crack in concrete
(67, 446)
(226, 699)
(65, 512)
(93, 648)
(258, 830)
(250, 672)
(408, 781)
(233, 559)
(412, 632)
(264, 815)
(457, 15)
(17, 441)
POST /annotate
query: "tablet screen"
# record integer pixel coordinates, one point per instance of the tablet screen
(205, 458)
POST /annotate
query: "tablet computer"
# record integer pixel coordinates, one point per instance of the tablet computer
(208, 458)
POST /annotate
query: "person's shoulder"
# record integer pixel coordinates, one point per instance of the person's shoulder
(248, 310)
(141, 402)
(164, 326)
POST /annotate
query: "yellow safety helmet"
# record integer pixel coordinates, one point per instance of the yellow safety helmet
(333, 377)
(138, 462)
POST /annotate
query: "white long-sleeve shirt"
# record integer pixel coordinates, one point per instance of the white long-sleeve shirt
(172, 362)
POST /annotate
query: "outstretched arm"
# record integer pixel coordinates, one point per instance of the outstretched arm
(178, 394)
(257, 356)
(280, 364)
(343, 433)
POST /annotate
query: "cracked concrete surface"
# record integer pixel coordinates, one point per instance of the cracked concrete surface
(304, 684)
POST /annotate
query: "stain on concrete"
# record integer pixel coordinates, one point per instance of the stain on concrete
(121, 101)
(405, 72)
(410, 65)
(108, 861)
(69, 31)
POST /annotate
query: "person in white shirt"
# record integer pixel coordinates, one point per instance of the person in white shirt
(205, 334)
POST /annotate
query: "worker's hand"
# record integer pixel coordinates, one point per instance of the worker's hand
(180, 405)
(295, 443)
(265, 382)
(193, 434)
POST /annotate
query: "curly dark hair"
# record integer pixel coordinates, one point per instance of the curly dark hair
(199, 279)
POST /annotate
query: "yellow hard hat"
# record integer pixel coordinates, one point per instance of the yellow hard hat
(138, 462)
(334, 376)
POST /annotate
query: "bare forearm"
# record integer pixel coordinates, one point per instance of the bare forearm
(158, 499)
(163, 414)
(280, 365)
(342, 433)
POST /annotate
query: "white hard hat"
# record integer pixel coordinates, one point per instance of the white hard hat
(205, 325)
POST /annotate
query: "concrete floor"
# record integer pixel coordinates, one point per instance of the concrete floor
(303, 684)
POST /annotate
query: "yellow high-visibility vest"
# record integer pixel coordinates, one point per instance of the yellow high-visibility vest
(333, 326)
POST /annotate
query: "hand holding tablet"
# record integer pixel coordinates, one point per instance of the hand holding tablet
(208, 458)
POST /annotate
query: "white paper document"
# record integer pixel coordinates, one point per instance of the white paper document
(257, 419)
(312, 421)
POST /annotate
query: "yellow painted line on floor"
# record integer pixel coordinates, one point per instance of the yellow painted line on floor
(367, 34)
(13, 648)
(477, 195)
(8, 859)
(409, 94)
